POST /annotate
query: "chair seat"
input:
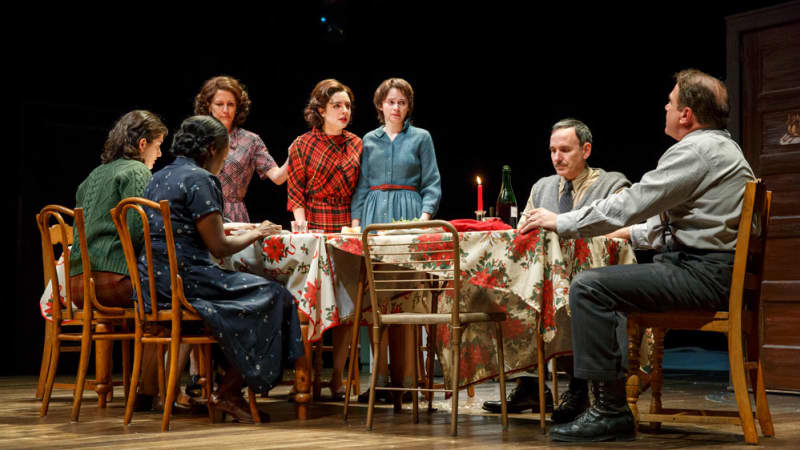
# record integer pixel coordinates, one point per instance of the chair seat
(427, 319)
(690, 320)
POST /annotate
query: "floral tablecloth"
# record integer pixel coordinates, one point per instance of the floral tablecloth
(323, 286)
(522, 275)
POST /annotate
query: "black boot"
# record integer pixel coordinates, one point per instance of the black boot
(523, 397)
(572, 403)
(608, 419)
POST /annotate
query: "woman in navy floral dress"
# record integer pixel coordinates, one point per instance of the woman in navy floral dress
(253, 319)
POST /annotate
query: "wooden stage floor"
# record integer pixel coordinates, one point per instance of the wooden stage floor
(21, 427)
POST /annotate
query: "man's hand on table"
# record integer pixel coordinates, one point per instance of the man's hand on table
(538, 218)
(622, 233)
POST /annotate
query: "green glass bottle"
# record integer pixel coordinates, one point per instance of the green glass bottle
(506, 206)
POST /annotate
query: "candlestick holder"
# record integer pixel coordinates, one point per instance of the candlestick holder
(480, 215)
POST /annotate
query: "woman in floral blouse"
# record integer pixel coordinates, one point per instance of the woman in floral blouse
(323, 173)
(226, 99)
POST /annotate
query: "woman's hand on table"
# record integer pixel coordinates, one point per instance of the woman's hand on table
(538, 218)
(230, 227)
(425, 216)
(266, 228)
(355, 223)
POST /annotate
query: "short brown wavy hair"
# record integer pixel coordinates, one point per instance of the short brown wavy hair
(123, 139)
(320, 97)
(706, 95)
(202, 101)
(383, 90)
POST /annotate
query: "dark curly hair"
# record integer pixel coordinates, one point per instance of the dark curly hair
(197, 136)
(320, 97)
(706, 95)
(383, 90)
(202, 101)
(123, 139)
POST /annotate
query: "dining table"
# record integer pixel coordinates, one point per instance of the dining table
(523, 275)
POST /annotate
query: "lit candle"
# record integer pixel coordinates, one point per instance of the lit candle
(480, 195)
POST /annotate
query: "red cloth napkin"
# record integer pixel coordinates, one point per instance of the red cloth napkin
(490, 224)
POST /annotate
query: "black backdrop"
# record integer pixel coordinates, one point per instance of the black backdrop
(489, 83)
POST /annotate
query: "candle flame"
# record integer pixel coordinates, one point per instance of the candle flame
(479, 180)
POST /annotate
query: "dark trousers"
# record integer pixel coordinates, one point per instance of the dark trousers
(677, 280)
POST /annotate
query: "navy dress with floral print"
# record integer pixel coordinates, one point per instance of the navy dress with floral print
(253, 319)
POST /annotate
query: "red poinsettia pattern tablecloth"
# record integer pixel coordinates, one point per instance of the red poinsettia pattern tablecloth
(523, 275)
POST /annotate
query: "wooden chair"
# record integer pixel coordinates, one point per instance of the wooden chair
(49, 265)
(150, 326)
(410, 275)
(97, 322)
(743, 323)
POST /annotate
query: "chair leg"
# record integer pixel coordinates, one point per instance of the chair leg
(540, 370)
(554, 379)
(55, 350)
(43, 369)
(126, 361)
(429, 364)
(417, 366)
(161, 372)
(103, 351)
(206, 367)
(738, 379)
(137, 368)
(757, 384)
(352, 367)
(253, 407)
(456, 358)
(657, 375)
(174, 350)
(762, 405)
(377, 331)
(83, 366)
(633, 385)
(501, 364)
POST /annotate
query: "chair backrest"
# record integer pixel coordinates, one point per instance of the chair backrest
(751, 244)
(57, 235)
(88, 277)
(120, 214)
(402, 263)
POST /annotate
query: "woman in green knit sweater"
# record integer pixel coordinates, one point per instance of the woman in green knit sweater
(130, 151)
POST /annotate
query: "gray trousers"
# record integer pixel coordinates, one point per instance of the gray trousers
(677, 280)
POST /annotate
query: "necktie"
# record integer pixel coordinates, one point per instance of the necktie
(565, 204)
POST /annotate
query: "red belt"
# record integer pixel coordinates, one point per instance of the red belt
(392, 187)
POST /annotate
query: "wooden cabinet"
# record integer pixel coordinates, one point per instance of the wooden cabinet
(764, 88)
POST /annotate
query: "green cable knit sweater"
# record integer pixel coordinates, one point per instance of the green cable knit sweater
(100, 191)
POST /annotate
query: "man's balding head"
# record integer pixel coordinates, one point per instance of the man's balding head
(705, 95)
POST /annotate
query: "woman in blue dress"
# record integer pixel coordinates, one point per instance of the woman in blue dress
(253, 319)
(399, 177)
(399, 180)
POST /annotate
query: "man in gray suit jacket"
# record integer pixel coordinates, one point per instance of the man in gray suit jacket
(575, 185)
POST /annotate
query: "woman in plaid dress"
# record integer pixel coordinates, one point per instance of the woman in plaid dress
(323, 173)
(226, 99)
